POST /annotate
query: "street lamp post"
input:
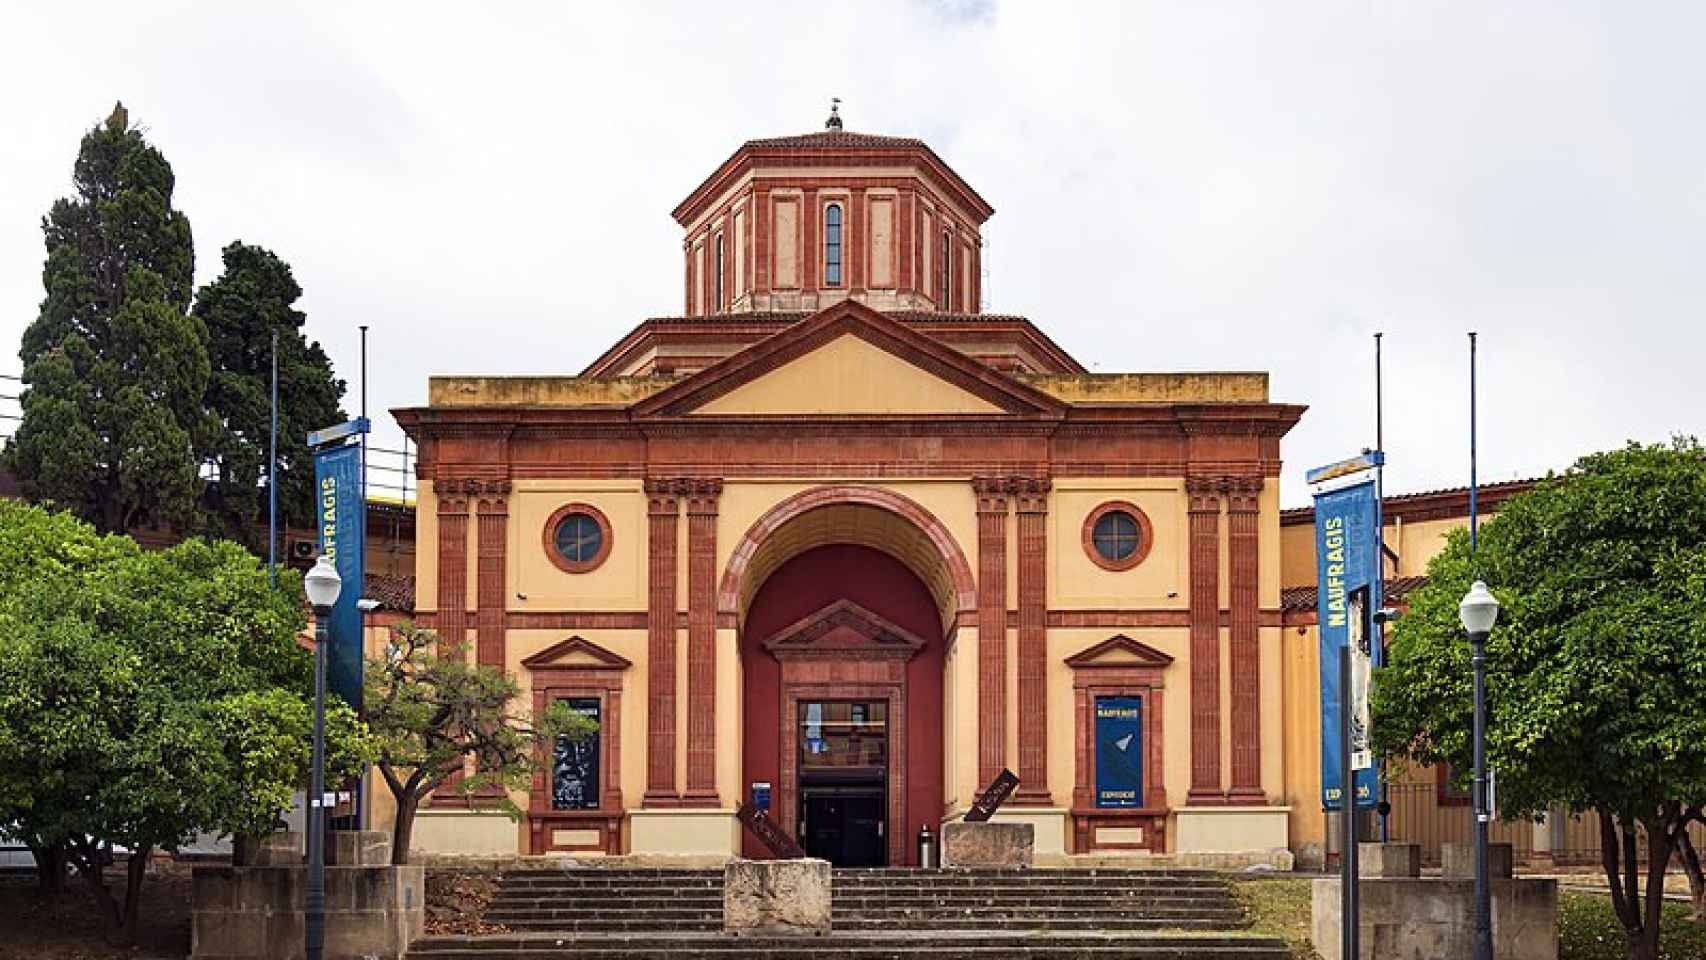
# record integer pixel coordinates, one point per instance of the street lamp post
(1478, 612)
(322, 584)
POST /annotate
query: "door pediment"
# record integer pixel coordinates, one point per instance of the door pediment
(844, 630)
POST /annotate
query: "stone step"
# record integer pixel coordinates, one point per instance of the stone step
(897, 913)
(595, 888)
(949, 924)
(661, 917)
(572, 928)
(1041, 898)
(926, 946)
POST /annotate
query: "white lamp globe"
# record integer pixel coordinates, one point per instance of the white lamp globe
(1479, 609)
(323, 583)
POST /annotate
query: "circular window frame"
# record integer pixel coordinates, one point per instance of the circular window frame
(1145, 535)
(550, 538)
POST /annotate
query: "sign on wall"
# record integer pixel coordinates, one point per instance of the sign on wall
(574, 777)
(1348, 592)
(1119, 752)
(337, 480)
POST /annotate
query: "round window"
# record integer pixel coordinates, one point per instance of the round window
(1117, 536)
(577, 538)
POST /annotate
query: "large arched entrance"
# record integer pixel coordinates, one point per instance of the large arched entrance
(845, 599)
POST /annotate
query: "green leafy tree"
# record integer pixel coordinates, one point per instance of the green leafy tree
(254, 298)
(115, 368)
(431, 715)
(147, 696)
(1594, 671)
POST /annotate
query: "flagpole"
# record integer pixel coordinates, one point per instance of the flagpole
(1378, 642)
(1474, 518)
(272, 473)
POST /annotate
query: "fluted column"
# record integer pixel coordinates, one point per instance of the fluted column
(991, 626)
(452, 620)
(663, 506)
(1032, 508)
(493, 531)
(1242, 506)
(1204, 496)
(702, 641)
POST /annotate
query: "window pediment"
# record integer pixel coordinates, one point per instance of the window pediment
(1119, 651)
(576, 653)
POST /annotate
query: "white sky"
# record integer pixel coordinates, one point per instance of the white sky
(1178, 186)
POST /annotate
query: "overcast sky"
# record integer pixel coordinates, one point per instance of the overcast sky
(1177, 186)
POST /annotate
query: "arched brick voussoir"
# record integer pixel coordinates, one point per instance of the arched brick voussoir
(952, 581)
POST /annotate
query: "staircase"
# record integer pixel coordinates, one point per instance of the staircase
(630, 914)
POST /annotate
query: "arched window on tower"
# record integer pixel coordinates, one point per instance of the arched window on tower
(945, 272)
(832, 245)
(720, 306)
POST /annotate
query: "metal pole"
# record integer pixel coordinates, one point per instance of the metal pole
(1473, 516)
(360, 785)
(1483, 943)
(315, 922)
(272, 473)
(1379, 598)
(1348, 907)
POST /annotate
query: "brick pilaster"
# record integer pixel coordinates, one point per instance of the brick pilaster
(702, 641)
(903, 227)
(1032, 507)
(1242, 506)
(452, 620)
(1204, 496)
(663, 506)
(492, 505)
(810, 217)
(992, 493)
(861, 245)
(761, 214)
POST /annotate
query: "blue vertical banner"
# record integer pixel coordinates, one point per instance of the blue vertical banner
(1348, 592)
(1119, 752)
(337, 481)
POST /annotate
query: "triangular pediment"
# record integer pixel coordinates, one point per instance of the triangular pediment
(849, 360)
(847, 630)
(1119, 651)
(576, 654)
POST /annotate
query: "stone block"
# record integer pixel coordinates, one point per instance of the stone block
(244, 912)
(278, 850)
(1389, 859)
(991, 844)
(1458, 860)
(359, 848)
(771, 897)
(1406, 919)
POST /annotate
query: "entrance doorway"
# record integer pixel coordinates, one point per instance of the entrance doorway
(843, 790)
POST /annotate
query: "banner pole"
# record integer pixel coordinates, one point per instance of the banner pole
(1377, 645)
(1348, 905)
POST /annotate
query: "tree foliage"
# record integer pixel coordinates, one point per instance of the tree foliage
(147, 696)
(1596, 669)
(254, 297)
(139, 409)
(115, 367)
(430, 715)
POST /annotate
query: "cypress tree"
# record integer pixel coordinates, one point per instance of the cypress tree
(115, 367)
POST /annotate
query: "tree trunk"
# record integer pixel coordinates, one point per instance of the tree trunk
(403, 828)
(50, 869)
(1696, 878)
(1658, 860)
(87, 859)
(136, 872)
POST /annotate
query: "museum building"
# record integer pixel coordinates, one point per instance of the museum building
(836, 543)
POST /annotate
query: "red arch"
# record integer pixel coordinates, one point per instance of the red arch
(804, 502)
